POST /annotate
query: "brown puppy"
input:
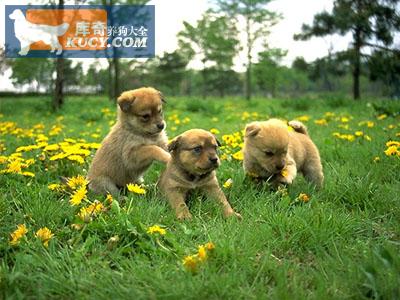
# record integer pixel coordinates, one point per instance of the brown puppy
(136, 140)
(273, 152)
(193, 163)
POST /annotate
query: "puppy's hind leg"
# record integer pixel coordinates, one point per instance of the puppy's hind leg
(103, 185)
(313, 173)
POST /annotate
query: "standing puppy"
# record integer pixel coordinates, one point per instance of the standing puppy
(136, 140)
(193, 163)
(273, 152)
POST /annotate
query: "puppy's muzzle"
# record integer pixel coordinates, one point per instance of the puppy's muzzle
(160, 126)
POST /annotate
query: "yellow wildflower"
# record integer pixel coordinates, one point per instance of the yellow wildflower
(135, 188)
(76, 158)
(303, 197)
(78, 196)
(190, 263)
(367, 137)
(52, 147)
(109, 198)
(44, 234)
(284, 172)
(29, 174)
(376, 159)
(55, 187)
(209, 246)
(381, 117)
(303, 118)
(20, 232)
(214, 131)
(156, 229)
(201, 253)
(392, 150)
(344, 119)
(238, 155)
(321, 122)
(95, 207)
(393, 143)
(228, 183)
(77, 182)
(359, 133)
(14, 167)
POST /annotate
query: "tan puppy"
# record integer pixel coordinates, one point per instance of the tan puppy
(271, 150)
(193, 164)
(136, 140)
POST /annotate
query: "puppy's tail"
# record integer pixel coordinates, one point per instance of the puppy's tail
(298, 127)
(61, 29)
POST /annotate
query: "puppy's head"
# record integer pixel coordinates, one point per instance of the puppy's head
(141, 110)
(195, 151)
(268, 143)
(16, 15)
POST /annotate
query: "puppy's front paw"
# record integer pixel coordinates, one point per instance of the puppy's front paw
(165, 157)
(230, 212)
(184, 215)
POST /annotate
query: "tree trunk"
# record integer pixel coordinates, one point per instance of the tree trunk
(110, 79)
(357, 64)
(58, 98)
(116, 78)
(248, 70)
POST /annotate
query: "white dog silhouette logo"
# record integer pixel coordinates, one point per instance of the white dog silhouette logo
(28, 33)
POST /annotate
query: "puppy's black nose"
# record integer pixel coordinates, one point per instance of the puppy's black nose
(160, 126)
(280, 167)
(214, 160)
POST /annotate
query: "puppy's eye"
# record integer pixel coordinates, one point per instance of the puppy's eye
(145, 118)
(269, 153)
(197, 150)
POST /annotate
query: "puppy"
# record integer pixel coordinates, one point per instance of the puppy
(273, 152)
(136, 140)
(192, 166)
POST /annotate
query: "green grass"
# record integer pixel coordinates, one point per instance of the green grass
(343, 243)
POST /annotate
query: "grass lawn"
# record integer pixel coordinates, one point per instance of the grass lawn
(342, 243)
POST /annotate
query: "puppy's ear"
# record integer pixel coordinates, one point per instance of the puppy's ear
(162, 97)
(252, 129)
(125, 101)
(173, 145)
(218, 142)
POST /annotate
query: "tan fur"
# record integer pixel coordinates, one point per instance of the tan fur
(270, 147)
(133, 143)
(192, 166)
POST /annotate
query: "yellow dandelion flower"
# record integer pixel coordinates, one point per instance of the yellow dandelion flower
(54, 187)
(109, 198)
(186, 120)
(85, 215)
(359, 133)
(344, 119)
(20, 232)
(95, 207)
(135, 188)
(303, 197)
(393, 143)
(377, 159)
(321, 122)
(28, 174)
(156, 229)
(201, 253)
(392, 150)
(52, 147)
(284, 172)
(367, 137)
(190, 263)
(227, 184)
(76, 158)
(77, 182)
(14, 167)
(370, 124)
(209, 246)
(78, 196)
(214, 131)
(44, 234)
(381, 117)
(238, 155)
(303, 118)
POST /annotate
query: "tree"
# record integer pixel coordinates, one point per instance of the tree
(58, 98)
(213, 40)
(37, 71)
(258, 21)
(171, 71)
(372, 23)
(267, 70)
